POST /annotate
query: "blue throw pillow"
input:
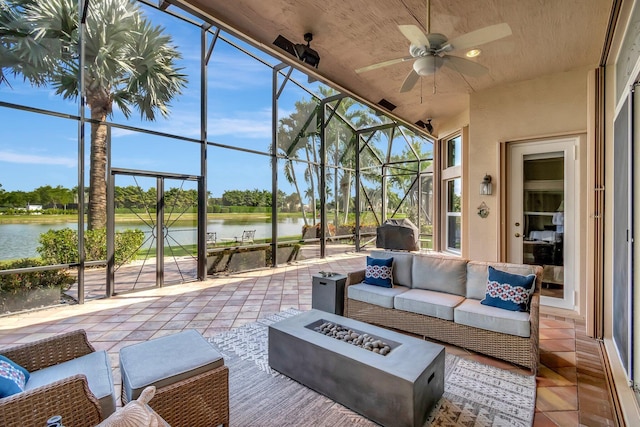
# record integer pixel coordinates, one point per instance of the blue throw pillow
(509, 291)
(13, 377)
(379, 272)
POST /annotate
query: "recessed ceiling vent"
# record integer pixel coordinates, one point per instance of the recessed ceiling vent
(386, 105)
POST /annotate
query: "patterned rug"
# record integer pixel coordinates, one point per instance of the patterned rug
(475, 394)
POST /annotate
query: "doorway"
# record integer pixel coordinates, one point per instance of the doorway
(542, 201)
(163, 209)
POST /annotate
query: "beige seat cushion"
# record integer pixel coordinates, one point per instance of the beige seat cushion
(472, 313)
(430, 303)
(376, 295)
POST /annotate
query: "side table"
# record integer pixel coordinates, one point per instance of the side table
(327, 293)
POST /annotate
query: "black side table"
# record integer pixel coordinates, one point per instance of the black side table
(327, 293)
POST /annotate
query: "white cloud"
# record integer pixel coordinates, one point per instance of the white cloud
(119, 132)
(239, 124)
(237, 72)
(9, 157)
(243, 124)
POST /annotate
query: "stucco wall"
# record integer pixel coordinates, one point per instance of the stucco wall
(549, 106)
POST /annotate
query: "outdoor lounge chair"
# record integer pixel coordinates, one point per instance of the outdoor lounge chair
(62, 369)
(212, 237)
(247, 236)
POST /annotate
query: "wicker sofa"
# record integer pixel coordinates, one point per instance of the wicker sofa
(438, 297)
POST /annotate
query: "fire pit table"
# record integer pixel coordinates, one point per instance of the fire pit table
(398, 388)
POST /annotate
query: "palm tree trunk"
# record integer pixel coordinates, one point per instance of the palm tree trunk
(295, 183)
(346, 192)
(336, 219)
(311, 173)
(97, 213)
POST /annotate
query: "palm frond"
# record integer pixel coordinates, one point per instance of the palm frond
(128, 61)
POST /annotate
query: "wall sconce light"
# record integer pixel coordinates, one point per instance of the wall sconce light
(486, 188)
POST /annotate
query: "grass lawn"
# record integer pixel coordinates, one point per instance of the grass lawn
(132, 217)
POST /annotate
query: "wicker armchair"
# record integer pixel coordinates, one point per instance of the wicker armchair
(70, 397)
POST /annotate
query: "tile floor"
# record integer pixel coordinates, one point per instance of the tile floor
(571, 389)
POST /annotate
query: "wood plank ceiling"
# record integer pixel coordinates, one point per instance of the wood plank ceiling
(549, 36)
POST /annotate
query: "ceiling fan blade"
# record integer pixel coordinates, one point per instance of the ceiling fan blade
(383, 64)
(415, 35)
(465, 66)
(481, 36)
(409, 81)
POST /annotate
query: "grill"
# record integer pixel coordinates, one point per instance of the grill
(398, 234)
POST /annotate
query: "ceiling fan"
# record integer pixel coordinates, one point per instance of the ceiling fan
(430, 51)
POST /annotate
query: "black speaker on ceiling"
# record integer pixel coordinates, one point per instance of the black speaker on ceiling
(303, 52)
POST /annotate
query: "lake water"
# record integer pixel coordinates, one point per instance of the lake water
(21, 240)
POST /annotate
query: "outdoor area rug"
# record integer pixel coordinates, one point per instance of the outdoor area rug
(475, 394)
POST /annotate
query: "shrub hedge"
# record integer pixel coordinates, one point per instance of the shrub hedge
(61, 246)
(16, 283)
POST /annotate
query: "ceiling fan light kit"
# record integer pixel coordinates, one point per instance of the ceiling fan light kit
(427, 65)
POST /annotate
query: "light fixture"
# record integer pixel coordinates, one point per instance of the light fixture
(473, 53)
(306, 54)
(427, 65)
(486, 188)
(303, 52)
(429, 126)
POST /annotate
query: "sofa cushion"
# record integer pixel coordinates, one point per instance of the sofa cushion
(13, 377)
(472, 313)
(478, 273)
(440, 273)
(376, 295)
(402, 262)
(95, 366)
(379, 272)
(509, 291)
(430, 303)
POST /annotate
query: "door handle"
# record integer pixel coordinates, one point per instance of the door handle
(517, 234)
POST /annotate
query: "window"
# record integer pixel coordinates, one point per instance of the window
(454, 152)
(452, 194)
(453, 214)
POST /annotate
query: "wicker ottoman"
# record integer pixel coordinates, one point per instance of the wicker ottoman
(191, 379)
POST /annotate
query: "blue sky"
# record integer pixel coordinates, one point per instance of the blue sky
(37, 150)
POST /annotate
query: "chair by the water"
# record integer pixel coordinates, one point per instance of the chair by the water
(212, 237)
(247, 236)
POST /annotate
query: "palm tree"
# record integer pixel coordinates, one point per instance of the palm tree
(297, 136)
(295, 133)
(128, 62)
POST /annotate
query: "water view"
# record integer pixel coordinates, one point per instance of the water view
(21, 240)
